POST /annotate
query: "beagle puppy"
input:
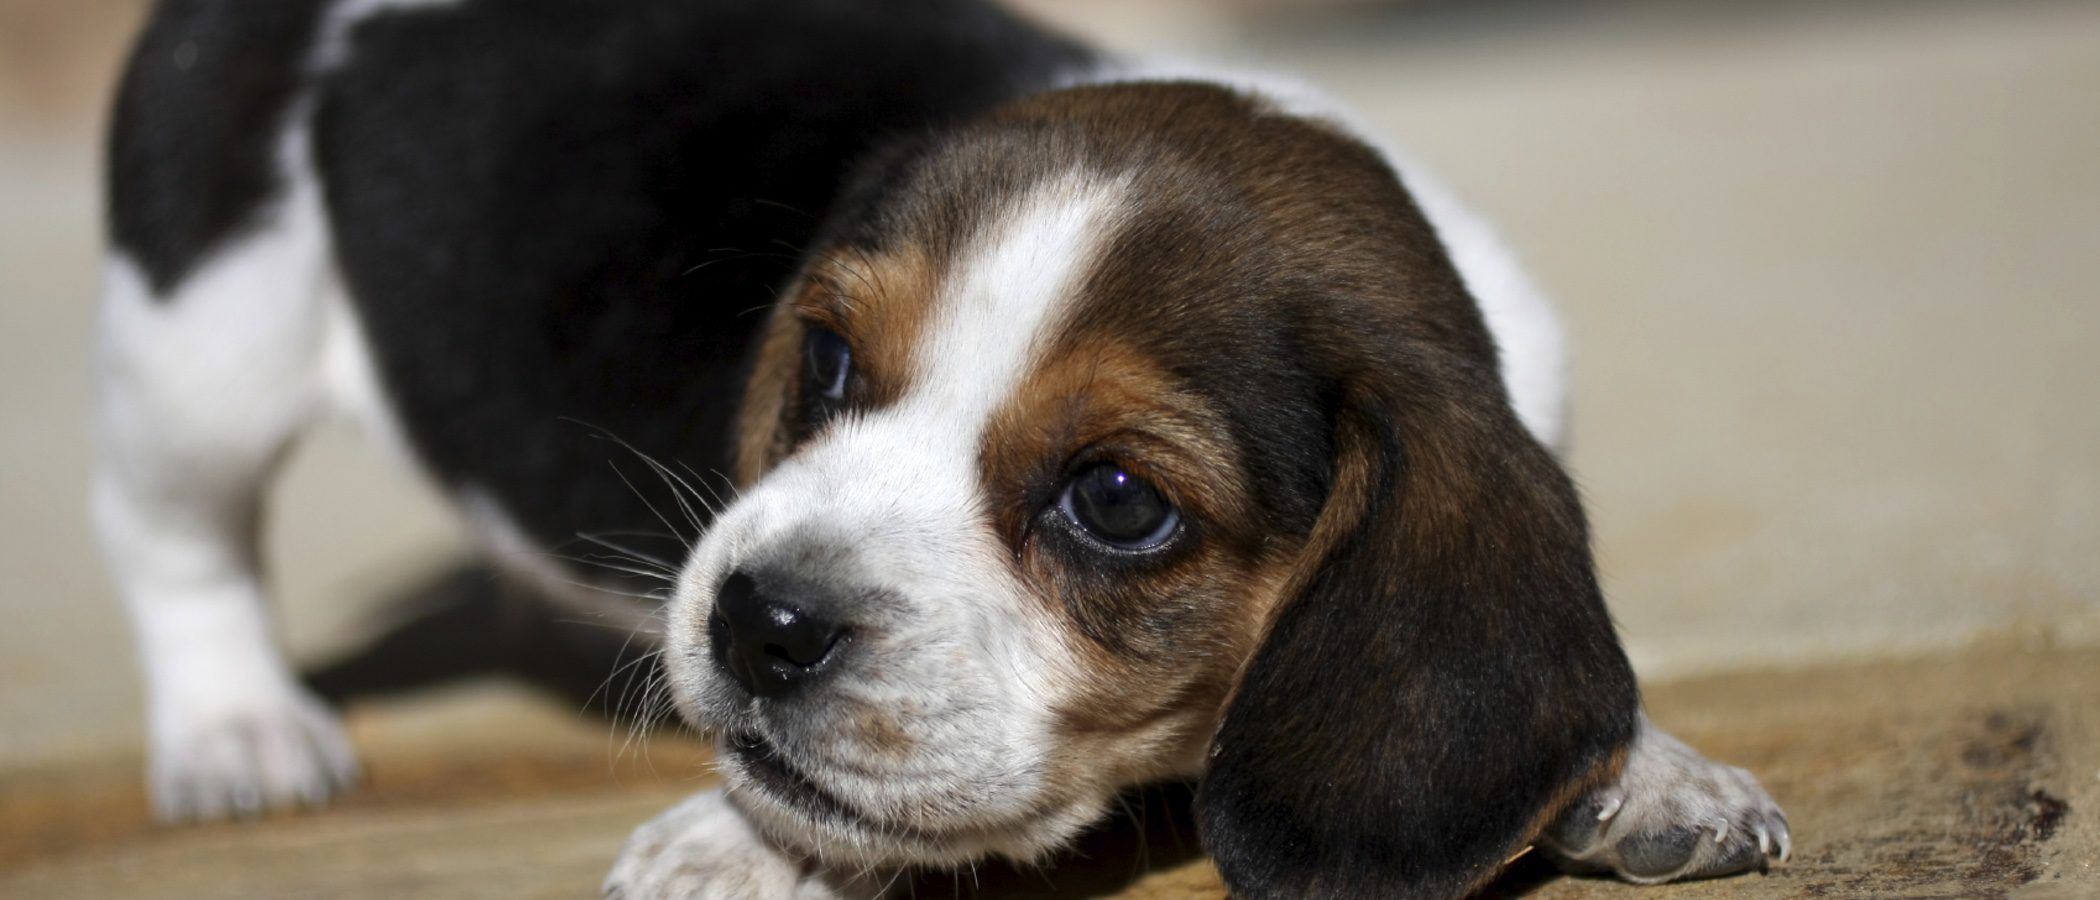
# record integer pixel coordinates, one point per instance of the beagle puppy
(1058, 427)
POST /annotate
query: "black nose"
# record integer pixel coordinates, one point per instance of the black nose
(770, 645)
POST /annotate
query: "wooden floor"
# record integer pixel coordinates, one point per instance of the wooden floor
(1971, 774)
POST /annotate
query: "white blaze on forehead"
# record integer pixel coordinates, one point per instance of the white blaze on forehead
(912, 467)
(1003, 298)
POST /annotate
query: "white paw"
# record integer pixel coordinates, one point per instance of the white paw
(704, 848)
(241, 751)
(1673, 814)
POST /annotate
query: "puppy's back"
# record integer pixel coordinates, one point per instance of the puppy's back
(193, 139)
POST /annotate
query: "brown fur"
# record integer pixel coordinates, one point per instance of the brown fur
(877, 301)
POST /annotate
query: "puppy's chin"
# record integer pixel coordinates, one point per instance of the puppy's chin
(795, 809)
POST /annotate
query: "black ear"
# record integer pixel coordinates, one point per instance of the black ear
(1444, 678)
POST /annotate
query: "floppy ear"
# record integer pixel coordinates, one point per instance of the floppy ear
(1443, 678)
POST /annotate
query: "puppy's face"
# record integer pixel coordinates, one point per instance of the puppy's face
(1068, 407)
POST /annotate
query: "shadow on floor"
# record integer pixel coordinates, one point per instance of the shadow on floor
(468, 622)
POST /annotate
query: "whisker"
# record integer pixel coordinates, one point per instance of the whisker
(616, 565)
(605, 625)
(645, 500)
(654, 597)
(641, 697)
(867, 265)
(661, 473)
(617, 670)
(655, 707)
(779, 205)
(735, 254)
(604, 539)
(709, 483)
(671, 481)
(674, 481)
(857, 271)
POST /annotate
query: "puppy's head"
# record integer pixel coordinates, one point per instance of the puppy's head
(1135, 432)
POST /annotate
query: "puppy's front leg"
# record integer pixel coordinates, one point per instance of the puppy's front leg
(704, 849)
(1672, 814)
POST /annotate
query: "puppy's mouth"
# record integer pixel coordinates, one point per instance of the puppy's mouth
(769, 771)
(767, 774)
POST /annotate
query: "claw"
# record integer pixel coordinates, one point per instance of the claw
(1786, 844)
(1720, 831)
(1611, 808)
(1764, 841)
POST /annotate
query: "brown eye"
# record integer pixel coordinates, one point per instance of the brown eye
(827, 364)
(1119, 508)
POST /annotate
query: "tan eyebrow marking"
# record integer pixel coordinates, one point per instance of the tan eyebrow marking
(1107, 392)
(877, 302)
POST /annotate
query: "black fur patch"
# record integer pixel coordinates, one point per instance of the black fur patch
(561, 219)
(193, 141)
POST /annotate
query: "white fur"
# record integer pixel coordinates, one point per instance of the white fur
(970, 664)
(1668, 793)
(201, 393)
(1526, 330)
(1004, 300)
(705, 849)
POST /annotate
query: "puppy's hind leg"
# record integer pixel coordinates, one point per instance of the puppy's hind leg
(203, 386)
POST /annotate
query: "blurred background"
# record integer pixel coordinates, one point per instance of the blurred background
(1831, 270)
